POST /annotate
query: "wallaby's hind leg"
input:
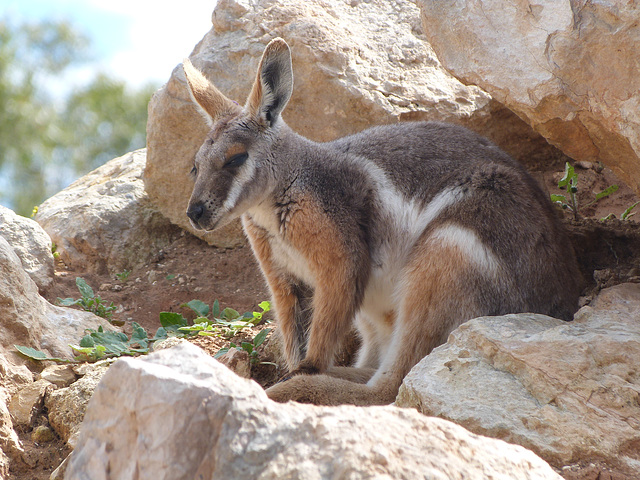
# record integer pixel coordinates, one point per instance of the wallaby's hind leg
(436, 298)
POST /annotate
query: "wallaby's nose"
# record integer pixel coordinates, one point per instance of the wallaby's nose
(195, 211)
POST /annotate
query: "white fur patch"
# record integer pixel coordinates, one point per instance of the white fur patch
(470, 244)
(244, 176)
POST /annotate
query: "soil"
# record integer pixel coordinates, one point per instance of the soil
(608, 253)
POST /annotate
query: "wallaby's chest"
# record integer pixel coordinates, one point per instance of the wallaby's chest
(285, 256)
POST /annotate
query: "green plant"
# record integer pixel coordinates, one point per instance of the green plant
(124, 276)
(249, 347)
(227, 323)
(54, 249)
(570, 182)
(89, 301)
(99, 344)
(628, 213)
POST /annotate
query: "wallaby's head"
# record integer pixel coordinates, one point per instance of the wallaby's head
(233, 169)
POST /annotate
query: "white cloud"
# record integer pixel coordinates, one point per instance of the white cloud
(159, 36)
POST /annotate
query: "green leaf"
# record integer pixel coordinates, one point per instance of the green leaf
(197, 327)
(161, 334)
(171, 319)
(85, 290)
(93, 353)
(606, 192)
(627, 213)
(139, 336)
(221, 352)
(558, 198)
(247, 347)
(172, 323)
(198, 306)
(87, 341)
(570, 177)
(229, 314)
(260, 337)
(68, 302)
(215, 313)
(265, 306)
(38, 355)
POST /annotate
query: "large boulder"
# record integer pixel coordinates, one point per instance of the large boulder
(181, 414)
(27, 319)
(31, 243)
(104, 221)
(568, 67)
(356, 64)
(568, 391)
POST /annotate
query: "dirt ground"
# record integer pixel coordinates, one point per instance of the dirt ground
(608, 253)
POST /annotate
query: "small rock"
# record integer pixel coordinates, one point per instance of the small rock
(43, 434)
(32, 245)
(66, 406)
(584, 165)
(27, 402)
(168, 343)
(60, 375)
(237, 361)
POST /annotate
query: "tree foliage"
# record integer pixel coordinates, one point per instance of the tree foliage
(49, 138)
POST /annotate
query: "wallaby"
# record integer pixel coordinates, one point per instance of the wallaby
(406, 230)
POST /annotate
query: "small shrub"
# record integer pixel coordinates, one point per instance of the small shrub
(89, 301)
(570, 182)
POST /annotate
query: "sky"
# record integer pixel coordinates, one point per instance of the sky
(139, 41)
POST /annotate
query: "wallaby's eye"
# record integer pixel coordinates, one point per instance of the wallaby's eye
(236, 160)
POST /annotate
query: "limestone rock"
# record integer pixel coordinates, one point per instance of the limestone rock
(104, 221)
(60, 375)
(237, 361)
(29, 320)
(28, 401)
(568, 391)
(568, 67)
(31, 243)
(9, 442)
(67, 406)
(180, 414)
(348, 76)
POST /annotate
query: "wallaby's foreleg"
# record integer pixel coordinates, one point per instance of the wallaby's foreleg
(291, 305)
(340, 265)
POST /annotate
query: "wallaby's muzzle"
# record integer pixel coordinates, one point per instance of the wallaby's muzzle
(195, 213)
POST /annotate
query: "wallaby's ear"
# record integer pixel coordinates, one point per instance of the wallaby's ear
(274, 83)
(212, 103)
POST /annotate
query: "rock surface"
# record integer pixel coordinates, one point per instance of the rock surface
(347, 77)
(568, 67)
(104, 221)
(28, 319)
(28, 401)
(32, 245)
(181, 414)
(568, 391)
(67, 406)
